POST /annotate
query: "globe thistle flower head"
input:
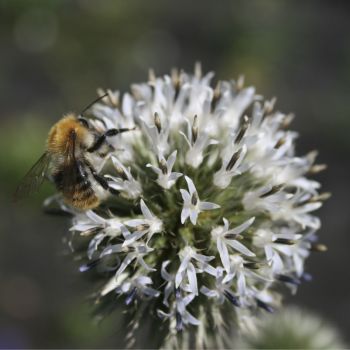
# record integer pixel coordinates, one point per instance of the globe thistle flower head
(214, 211)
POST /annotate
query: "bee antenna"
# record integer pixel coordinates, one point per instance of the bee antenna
(92, 103)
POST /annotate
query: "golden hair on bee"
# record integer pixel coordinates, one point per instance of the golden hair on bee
(63, 130)
(67, 162)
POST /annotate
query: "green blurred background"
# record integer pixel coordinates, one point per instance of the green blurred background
(53, 56)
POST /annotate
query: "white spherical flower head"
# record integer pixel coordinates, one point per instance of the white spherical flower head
(208, 208)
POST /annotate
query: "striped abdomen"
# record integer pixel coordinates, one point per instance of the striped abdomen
(74, 183)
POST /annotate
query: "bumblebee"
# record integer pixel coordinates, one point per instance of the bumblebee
(67, 162)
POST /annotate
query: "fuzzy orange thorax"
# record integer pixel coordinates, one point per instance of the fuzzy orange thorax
(59, 134)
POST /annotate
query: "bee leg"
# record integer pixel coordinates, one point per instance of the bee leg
(104, 184)
(111, 132)
(102, 181)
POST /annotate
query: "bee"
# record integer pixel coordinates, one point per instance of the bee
(67, 162)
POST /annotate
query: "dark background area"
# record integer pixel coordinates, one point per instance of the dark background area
(53, 56)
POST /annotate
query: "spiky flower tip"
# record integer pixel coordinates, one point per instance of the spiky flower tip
(213, 214)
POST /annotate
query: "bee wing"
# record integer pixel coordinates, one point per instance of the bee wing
(34, 178)
(73, 170)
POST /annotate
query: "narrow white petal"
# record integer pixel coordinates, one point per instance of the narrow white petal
(203, 258)
(287, 236)
(208, 292)
(209, 269)
(171, 160)
(239, 247)
(185, 196)
(144, 265)
(94, 243)
(239, 229)
(115, 248)
(191, 186)
(268, 252)
(285, 249)
(134, 222)
(226, 224)
(94, 217)
(193, 216)
(126, 262)
(132, 238)
(308, 221)
(151, 292)
(310, 207)
(145, 211)
(192, 278)
(125, 231)
(228, 277)
(185, 213)
(188, 299)
(144, 280)
(117, 164)
(241, 157)
(181, 271)
(164, 273)
(277, 263)
(168, 290)
(224, 256)
(178, 278)
(113, 283)
(83, 227)
(241, 285)
(174, 176)
(299, 264)
(191, 319)
(208, 206)
(127, 104)
(155, 169)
